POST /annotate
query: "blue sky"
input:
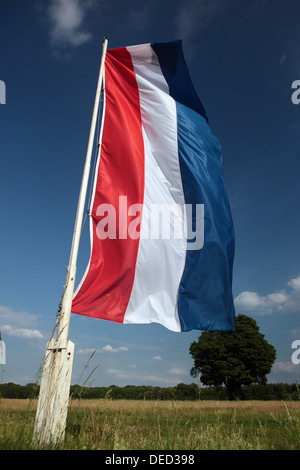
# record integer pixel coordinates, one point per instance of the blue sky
(243, 58)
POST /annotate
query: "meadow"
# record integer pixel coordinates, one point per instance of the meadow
(160, 425)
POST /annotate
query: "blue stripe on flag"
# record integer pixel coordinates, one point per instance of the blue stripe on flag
(177, 76)
(205, 296)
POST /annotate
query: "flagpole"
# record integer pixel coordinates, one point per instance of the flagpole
(2, 357)
(56, 375)
(64, 320)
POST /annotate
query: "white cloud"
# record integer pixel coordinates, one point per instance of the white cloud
(295, 283)
(17, 318)
(248, 300)
(282, 301)
(177, 371)
(157, 358)
(107, 348)
(86, 351)
(147, 377)
(17, 323)
(67, 22)
(120, 374)
(284, 367)
(21, 332)
(156, 378)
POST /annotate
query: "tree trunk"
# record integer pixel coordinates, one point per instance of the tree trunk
(233, 391)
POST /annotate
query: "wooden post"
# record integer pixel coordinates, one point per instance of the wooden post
(53, 401)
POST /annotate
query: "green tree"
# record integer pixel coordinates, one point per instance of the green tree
(237, 358)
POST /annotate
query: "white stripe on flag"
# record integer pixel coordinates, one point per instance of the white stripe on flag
(155, 287)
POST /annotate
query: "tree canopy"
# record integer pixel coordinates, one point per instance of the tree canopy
(237, 358)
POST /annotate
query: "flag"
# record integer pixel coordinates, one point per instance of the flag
(162, 237)
(2, 351)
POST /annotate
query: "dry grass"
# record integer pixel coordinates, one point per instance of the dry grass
(250, 407)
(11, 404)
(168, 425)
(253, 405)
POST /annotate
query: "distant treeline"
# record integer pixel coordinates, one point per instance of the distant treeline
(280, 391)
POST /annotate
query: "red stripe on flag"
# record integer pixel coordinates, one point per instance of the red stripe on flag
(107, 286)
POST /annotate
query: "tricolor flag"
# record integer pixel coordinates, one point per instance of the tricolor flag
(2, 351)
(162, 238)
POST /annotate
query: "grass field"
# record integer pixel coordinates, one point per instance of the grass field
(161, 425)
